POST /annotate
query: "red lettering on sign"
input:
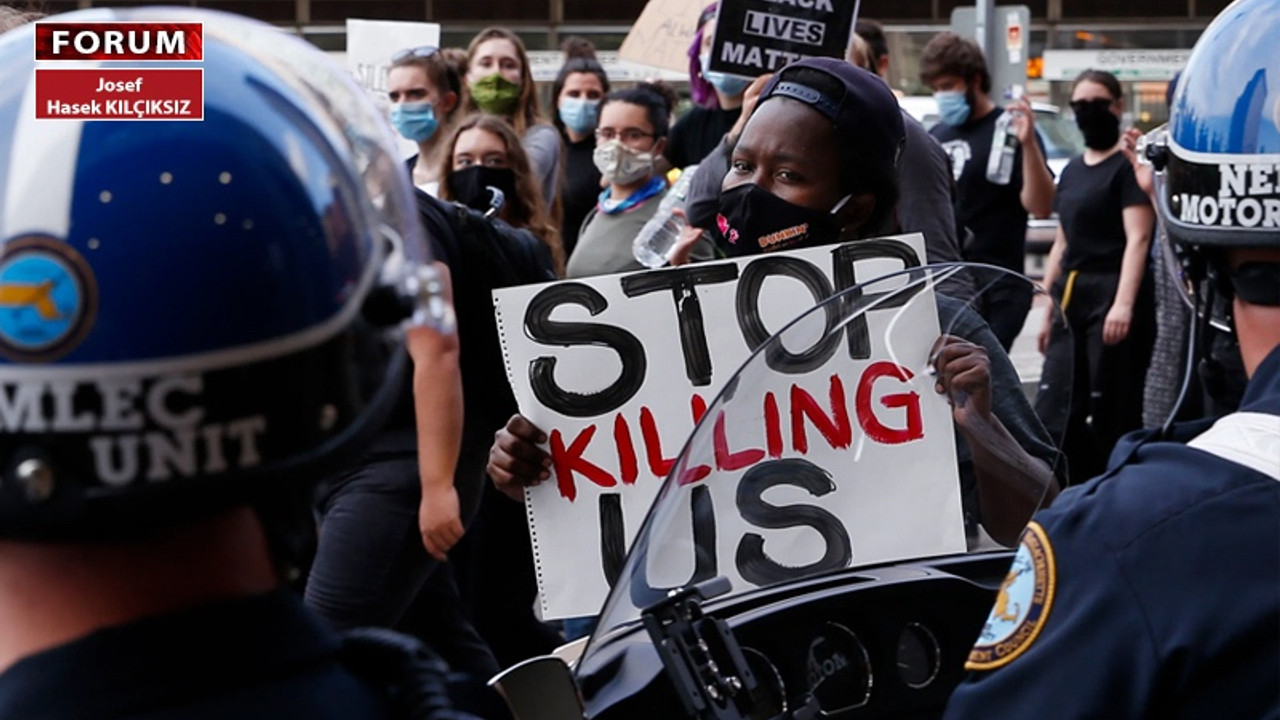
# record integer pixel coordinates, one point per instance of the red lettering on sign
(628, 468)
(772, 426)
(726, 460)
(832, 421)
(910, 401)
(837, 429)
(570, 460)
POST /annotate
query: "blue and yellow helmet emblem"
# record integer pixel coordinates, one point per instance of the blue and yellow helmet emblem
(48, 299)
(1022, 604)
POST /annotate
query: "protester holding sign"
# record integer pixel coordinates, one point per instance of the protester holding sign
(501, 84)
(578, 89)
(785, 188)
(815, 166)
(717, 100)
(425, 93)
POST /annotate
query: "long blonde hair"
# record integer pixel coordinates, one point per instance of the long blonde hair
(527, 209)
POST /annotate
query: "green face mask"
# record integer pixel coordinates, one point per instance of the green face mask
(495, 94)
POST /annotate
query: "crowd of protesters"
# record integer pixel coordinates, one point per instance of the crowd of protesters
(583, 176)
(511, 193)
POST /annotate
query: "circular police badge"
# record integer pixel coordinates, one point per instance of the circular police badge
(1022, 604)
(48, 299)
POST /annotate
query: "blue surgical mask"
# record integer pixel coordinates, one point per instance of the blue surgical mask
(953, 107)
(579, 114)
(727, 84)
(416, 121)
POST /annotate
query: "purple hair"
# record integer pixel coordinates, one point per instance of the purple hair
(699, 89)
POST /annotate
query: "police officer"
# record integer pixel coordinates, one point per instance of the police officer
(186, 333)
(1154, 589)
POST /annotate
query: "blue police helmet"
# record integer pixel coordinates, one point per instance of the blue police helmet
(1222, 182)
(185, 305)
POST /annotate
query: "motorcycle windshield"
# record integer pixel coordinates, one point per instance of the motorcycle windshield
(884, 424)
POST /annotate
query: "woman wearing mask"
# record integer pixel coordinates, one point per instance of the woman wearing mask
(501, 84)
(424, 92)
(629, 140)
(1095, 272)
(578, 90)
(717, 101)
(484, 153)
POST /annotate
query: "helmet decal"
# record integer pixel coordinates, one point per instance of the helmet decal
(48, 299)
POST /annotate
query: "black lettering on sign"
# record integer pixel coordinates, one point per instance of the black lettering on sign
(613, 533)
(683, 285)
(843, 260)
(753, 563)
(705, 566)
(539, 326)
(755, 333)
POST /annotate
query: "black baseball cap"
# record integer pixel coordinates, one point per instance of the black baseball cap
(864, 111)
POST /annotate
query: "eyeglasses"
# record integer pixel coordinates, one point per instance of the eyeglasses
(628, 135)
(424, 51)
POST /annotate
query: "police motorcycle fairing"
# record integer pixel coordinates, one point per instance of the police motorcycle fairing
(819, 548)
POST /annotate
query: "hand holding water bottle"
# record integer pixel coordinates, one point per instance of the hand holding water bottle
(655, 240)
(1023, 123)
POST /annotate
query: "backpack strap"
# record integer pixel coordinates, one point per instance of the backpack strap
(1245, 438)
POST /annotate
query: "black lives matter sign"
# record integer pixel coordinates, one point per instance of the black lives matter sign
(754, 37)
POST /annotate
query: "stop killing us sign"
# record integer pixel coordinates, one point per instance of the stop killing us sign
(800, 472)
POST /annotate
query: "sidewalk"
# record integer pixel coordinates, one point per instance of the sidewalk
(1026, 357)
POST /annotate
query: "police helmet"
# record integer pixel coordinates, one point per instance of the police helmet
(184, 304)
(1221, 185)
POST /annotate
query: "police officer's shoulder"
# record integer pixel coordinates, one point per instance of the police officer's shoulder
(1158, 482)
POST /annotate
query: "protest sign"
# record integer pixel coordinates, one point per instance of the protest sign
(371, 43)
(662, 35)
(754, 37)
(617, 370)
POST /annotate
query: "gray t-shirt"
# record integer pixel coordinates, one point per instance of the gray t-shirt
(604, 245)
(542, 144)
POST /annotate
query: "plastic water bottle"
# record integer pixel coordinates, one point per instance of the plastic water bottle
(1004, 149)
(659, 234)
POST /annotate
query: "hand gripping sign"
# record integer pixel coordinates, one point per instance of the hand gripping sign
(617, 370)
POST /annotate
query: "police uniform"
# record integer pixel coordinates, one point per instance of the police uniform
(258, 657)
(1151, 591)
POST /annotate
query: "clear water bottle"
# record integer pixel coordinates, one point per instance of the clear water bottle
(654, 241)
(1004, 150)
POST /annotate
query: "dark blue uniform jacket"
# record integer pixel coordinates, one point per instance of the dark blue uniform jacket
(260, 657)
(1164, 600)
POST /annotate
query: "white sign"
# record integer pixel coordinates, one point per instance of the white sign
(617, 369)
(1126, 65)
(545, 65)
(371, 43)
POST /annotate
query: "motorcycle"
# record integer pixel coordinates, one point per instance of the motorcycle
(835, 531)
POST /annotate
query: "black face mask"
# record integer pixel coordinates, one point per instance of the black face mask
(753, 220)
(1100, 126)
(471, 186)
